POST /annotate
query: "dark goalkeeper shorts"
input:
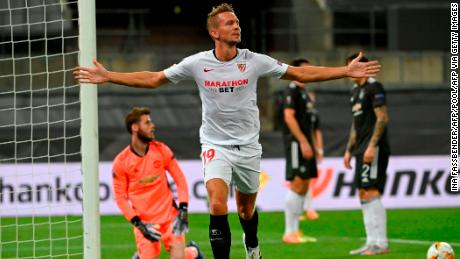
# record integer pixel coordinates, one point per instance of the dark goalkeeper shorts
(296, 165)
(373, 174)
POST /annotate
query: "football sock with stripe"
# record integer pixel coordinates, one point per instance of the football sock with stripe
(220, 236)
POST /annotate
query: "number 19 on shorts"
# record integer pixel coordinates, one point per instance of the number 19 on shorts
(208, 155)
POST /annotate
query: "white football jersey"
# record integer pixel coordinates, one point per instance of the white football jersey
(230, 115)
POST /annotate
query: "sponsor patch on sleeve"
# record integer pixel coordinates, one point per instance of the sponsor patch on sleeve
(379, 96)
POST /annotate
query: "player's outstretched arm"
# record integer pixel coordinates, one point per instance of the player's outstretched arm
(315, 73)
(99, 75)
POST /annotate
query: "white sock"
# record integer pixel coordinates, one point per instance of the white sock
(371, 238)
(292, 211)
(380, 222)
(308, 200)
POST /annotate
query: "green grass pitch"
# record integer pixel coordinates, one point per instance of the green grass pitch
(410, 232)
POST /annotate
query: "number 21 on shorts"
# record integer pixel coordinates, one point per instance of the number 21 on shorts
(208, 155)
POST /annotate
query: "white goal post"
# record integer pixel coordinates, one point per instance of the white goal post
(89, 133)
(49, 179)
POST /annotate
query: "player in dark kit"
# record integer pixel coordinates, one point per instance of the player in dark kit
(310, 212)
(368, 142)
(300, 122)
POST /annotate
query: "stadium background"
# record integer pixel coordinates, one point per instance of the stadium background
(411, 40)
(415, 64)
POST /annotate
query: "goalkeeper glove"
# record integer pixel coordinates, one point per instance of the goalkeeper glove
(147, 230)
(181, 221)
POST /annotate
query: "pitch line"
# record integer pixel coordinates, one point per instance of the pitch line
(332, 238)
(325, 238)
(262, 241)
(391, 240)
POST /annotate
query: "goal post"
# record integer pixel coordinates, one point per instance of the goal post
(49, 180)
(89, 133)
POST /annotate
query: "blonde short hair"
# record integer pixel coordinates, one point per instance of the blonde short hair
(212, 16)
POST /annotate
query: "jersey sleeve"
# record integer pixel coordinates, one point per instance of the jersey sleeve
(270, 67)
(289, 98)
(377, 95)
(176, 173)
(120, 186)
(181, 71)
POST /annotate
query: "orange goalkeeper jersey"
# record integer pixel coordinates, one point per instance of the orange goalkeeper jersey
(141, 186)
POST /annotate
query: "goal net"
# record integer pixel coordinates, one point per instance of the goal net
(41, 178)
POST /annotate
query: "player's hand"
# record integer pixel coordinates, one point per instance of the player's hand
(180, 225)
(92, 75)
(347, 159)
(369, 154)
(362, 69)
(148, 230)
(307, 151)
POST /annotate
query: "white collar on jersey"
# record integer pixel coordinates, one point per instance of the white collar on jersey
(214, 53)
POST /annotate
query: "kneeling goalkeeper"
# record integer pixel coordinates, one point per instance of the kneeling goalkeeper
(143, 195)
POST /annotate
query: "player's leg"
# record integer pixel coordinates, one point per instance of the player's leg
(368, 198)
(298, 171)
(300, 186)
(246, 178)
(311, 213)
(295, 194)
(308, 199)
(293, 209)
(177, 250)
(217, 177)
(377, 177)
(175, 245)
(219, 229)
(383, 159)
(145, 248)
(371, 180)
(249, 220)
(312, 173)
(361, 178)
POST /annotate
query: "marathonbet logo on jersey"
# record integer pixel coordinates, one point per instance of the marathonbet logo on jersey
(230, 86)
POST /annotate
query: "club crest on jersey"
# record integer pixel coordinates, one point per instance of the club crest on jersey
(288, 99)
(241, 67)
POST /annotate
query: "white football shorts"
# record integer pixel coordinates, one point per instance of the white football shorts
(235, 164)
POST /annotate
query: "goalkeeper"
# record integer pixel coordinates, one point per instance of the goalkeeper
(143, 195)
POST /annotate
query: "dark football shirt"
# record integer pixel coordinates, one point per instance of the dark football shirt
(305, 113)
(363, 101)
